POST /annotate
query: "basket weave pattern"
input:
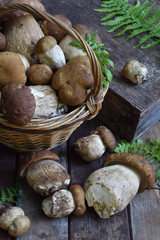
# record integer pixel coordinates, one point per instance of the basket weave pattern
(49, 133)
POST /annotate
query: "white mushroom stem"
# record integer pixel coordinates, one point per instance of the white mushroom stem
(25, 62)
(53, 57)
(110, 189)
(69, 50)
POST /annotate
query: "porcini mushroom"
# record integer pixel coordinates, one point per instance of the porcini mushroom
(73, 81)
(21, 29)
(94, 145)
(59, 204)
(49, 52)
(17, 103)
(12, 69)
(135, 71)
(39, 74)
(13, 219)
(50, 29)
(111, 188)
(43, 173)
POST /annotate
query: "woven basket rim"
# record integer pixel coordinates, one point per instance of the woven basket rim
(93, 103)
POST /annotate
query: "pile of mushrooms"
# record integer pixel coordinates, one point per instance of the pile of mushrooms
(42, 57)
(47, 177)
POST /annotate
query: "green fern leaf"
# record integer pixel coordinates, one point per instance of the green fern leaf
(154, 43)
(151, 151)
(120, 25)
(128, 28)
(136, 19)
(11, 193)
(145, 13)
(111, 15)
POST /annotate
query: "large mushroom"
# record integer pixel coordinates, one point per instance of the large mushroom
(21, 29)
(73, 81)
(111, 188)
(43, 173)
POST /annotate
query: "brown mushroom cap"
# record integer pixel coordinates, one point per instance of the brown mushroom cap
(138, 162)
(35, 156)
(54, 31)
(107, 137)
(83, 30)
(39, 74)
(34, 3)
(12, 69)
(44, 44)
(73, 80)
(18, 103)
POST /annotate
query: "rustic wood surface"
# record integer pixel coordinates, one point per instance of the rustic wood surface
(140, 220)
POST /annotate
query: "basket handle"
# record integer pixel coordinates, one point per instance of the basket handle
(95, 99)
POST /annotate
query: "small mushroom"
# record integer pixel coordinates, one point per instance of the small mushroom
(93, 146)
(111, 188)
(59, 204)
(49, 52)
(39, 74)
(73, 81)
(79, 199)
(17, 103)
(51, 30)
(13, 219)
(43, 173)
(12, 69)
(135, 71)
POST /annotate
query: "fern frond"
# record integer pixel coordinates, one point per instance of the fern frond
(136, 19)
(11, 193)
(150, 150)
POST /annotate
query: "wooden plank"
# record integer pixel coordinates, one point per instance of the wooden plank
(144, 209)
(7, 175)
(91, 226)
(43, 227)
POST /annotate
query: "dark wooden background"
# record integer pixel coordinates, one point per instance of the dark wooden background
(140, 220)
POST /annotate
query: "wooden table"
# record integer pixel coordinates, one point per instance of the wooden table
(139, 221)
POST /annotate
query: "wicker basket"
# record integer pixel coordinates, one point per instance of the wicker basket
(49, 133)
